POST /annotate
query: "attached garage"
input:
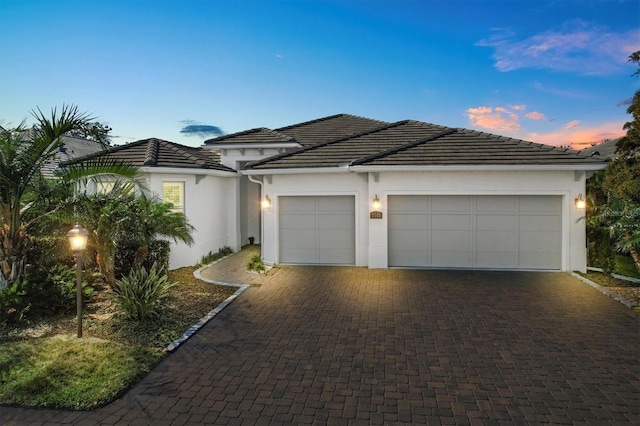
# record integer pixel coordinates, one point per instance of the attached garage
(485, 231)
(317, 230)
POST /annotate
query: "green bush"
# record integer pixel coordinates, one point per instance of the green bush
(139, 294)
(125, 257)
(256, 264)
(212, 257)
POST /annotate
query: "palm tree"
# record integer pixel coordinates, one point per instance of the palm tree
(23, 153)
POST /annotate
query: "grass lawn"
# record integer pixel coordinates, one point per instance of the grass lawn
(43, 364)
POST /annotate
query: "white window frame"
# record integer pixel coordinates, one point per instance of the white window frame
(177, 207)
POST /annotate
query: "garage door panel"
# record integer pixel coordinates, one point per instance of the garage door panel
(497, 259)
(498, 222)
(335, 221)
(408, 221)
(540, 260)
(415, 258)
(540, 204)
(297, 205)
(496, 204)
(409, 239)
(538, 241)
(451, 203)
(450, 241)
(540, 222)
(492, 241)
(409, 203)
(341, 204)
(317, 230)
(300, 221)
(450, 221)
(450, 259)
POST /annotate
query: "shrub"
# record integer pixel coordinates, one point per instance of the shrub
(125, 257)
(212, 257)
(139, 294)
(256, 264)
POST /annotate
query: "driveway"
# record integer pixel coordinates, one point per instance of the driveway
(343, 345)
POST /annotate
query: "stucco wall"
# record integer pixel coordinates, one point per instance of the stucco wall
(210, 207)
(371, 234)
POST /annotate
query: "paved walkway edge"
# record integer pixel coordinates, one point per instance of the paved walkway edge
(603, 290)
(194, 328)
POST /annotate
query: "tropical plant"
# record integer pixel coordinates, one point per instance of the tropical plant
(618, 210)
(140, 293)
(256, 264)
(212, 257)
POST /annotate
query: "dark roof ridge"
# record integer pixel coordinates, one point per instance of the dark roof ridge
(151, 154)
(323, 144)
(248, 132)
(188, 152)
(329, 117)
(108, 150)
(404, 147)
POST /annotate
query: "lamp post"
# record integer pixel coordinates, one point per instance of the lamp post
(78, 242)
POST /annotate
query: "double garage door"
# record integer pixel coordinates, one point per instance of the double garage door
(501, 232)
(317, 230)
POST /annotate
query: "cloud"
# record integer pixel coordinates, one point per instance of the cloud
(535, 115)
(625, 102)
(518, 107)
(193, 128)
(576, 47)
(571, 124)
(577, 136)
(496, 119)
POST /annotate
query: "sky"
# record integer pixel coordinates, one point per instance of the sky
(548, 71)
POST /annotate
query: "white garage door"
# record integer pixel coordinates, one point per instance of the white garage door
(501, 232)
(317, 230)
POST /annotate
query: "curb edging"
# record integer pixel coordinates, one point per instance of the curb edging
(603, 290)
(205, 319)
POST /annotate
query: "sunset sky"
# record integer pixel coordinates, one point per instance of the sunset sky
(554, 72)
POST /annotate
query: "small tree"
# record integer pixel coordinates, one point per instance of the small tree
(620, 214)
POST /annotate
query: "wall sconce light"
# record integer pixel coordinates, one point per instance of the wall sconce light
(266, 203)
(376, 205)
(580, 202)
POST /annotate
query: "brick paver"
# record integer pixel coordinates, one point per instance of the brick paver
(350, 346)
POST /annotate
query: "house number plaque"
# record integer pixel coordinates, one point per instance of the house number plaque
(375, 215)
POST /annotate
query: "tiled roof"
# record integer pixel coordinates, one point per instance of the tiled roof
(605, 149)
(306, 134)
(70, 148)
(414, 143)
(160, 153)
(329, 128)
(257, 136)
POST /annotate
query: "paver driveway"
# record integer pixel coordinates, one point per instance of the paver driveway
(345, 345)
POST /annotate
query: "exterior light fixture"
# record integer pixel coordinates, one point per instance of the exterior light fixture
(377, 205)
(78, 241)
(580, 202)
(266, 203)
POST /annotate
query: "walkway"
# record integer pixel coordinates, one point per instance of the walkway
(351, 346)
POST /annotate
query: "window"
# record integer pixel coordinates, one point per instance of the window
(104, 187)
(173, 192)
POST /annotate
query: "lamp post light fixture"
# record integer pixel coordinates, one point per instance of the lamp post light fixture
(78, 241)
(580, 202)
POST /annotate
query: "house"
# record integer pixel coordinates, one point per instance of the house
(347, 190)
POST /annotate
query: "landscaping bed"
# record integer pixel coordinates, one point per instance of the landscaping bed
(43, 364)
(627, 289)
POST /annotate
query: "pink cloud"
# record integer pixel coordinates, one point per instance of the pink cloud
(571, 124)
(535, 115)
(578, 137)
(496, 119)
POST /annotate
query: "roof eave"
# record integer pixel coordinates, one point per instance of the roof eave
(187, 171)
(482, 167)
(249, 145)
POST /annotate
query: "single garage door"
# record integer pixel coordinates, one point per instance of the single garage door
(498, 232)
(317, 230)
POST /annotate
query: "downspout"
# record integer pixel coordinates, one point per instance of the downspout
(261, 183)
